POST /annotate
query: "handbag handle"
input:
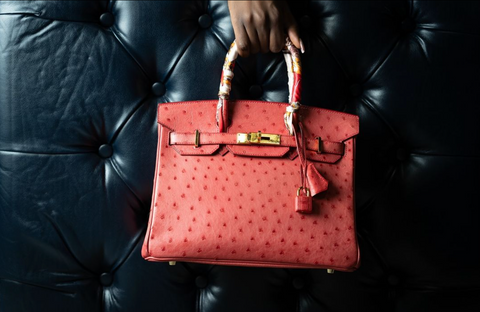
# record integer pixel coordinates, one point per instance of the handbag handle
(292, 59)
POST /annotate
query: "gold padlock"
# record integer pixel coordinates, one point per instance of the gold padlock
(304, 188)
(303, 204)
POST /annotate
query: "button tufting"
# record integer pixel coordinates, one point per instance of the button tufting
(107, 19)
(408, 24)
(255, 91)
(105, 150)
(205, 21)
(106, 279)
(393, 280)
(305, 21)
(356, 89)
(201, 281)
(298, 283)
(158, 89)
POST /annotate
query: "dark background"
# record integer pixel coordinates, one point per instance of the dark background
(79, 84)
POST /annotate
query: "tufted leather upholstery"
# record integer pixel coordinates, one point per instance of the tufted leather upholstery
(79, 84)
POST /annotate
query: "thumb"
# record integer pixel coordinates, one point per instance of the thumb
(293, 34)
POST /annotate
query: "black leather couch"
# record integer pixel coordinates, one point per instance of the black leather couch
(79, 85)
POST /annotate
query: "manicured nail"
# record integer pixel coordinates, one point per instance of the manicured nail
(302, 47)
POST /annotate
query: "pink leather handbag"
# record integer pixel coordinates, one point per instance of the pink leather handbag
(254, 183)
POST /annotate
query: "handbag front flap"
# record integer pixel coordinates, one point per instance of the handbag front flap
(256, 129)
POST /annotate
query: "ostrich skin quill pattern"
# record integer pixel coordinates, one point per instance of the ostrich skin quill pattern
(234, 204)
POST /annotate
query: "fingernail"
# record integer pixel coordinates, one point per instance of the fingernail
(302, 47)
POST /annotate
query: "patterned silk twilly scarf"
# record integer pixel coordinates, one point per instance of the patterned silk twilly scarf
(226, 81)
(292, 59)
(294, 69)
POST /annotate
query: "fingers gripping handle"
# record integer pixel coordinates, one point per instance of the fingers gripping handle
(292, 59)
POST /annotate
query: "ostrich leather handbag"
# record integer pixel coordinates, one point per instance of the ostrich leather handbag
(254, 183)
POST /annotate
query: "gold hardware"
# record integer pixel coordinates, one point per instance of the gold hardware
(319, 139)
(197, 139)
(258, 138)
(172, 262)
(330, 271)
(305, 188)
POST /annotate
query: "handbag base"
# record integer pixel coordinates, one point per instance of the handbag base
(266, 264)
(173, 263)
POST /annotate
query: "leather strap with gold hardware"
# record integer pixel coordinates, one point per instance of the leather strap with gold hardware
(215, 138)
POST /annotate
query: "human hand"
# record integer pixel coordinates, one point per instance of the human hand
(262, 26)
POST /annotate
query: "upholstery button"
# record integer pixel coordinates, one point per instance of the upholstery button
(305, 21)
(298, 283)
(105, 150)
(402, 154)
(255, 91)
(205, 21)
(158, 89)
(106, 279)
(201, 281)
(408, 24)
(107, 19)
(393, 280)
(356, 89)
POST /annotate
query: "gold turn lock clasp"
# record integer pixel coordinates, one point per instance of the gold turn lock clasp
(258, 138)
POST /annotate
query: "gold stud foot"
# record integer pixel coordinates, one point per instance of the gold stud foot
(172, 262)
(330, 271)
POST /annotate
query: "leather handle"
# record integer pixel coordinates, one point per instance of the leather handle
(292, 59)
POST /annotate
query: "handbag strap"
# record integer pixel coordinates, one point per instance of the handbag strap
(215, 138)
(292, 59)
